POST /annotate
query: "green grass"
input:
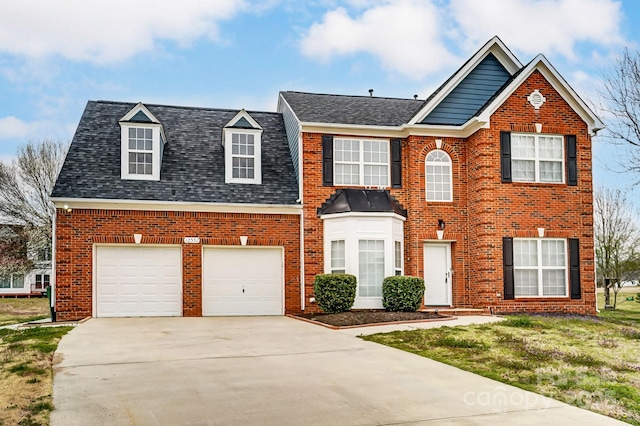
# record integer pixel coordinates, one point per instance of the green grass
(26, 360)
(17, 310)
(592, 363)
(626, 312)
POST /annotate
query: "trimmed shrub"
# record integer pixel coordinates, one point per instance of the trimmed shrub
(402, 294)
(335, 292)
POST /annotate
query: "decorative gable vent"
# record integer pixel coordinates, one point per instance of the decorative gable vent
(536, 99)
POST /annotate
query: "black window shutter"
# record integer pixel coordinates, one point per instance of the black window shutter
(574, 268)
(396, 163)
(572, 160)
(507, 267)
(327, 160)
(505, 156)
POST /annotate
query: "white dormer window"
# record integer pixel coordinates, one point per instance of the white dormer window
(242, 140)
(142, 145)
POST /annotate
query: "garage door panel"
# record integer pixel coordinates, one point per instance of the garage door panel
(245, 281)
(138, 281)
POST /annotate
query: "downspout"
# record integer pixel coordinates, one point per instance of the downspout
(301, 199)
(53, 264)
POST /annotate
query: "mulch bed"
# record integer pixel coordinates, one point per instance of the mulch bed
(353, 318)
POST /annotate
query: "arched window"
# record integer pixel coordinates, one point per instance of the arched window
(438, 176)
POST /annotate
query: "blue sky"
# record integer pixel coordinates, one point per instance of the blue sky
(55, 56)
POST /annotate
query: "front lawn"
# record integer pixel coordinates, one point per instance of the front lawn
(26, 377)
(588, 362)
(17, 310)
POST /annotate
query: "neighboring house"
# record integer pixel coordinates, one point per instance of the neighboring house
(484, 189)
(16, 255)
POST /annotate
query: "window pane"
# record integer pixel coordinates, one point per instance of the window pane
(347, 174)
(375, 175)
(371, 267)
(523, 170)
(525, 253)
(18, 281)
(5, 282)
(553, 253)
(550, 171)
(550, 147)
(398, 254)
(523, 146)
(438, 176)
(525, 282)
(337, 257)
(554, 282)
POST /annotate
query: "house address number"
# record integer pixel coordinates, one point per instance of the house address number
(191, 240)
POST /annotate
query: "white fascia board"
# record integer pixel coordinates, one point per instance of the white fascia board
(463, 131)
(495, 46)
(362, 214)
(541, 64)
(140, 107)
(99, 204)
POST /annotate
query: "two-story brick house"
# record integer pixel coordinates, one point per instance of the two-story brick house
(484, 189)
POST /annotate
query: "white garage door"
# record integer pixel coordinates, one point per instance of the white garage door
(134, 281)
(242, 281)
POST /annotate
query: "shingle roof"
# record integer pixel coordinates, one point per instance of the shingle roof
(193, 159)
(357, 110)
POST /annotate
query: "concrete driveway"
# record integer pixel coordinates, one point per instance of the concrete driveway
(271, 371)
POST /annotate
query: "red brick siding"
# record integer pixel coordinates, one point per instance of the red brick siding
(79, 230)
(483, 210)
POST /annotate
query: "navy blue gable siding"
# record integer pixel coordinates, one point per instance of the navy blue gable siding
(471, 94)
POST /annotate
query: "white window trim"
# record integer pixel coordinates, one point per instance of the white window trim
(362, 163)
(540, 268)
(537, 158)
(155, 154)
(426, 176)
(257, 155)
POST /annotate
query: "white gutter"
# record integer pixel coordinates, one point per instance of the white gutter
(102, 204)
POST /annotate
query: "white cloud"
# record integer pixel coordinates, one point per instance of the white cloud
(106, 31)
(13, 129)
(404, 36)
(540, 26)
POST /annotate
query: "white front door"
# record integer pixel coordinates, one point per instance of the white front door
(437, 274)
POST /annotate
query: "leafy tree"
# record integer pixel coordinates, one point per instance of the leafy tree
(25, 186)
(616, 239)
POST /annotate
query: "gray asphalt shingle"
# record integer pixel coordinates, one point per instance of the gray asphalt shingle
(357, 110)
(193, 162)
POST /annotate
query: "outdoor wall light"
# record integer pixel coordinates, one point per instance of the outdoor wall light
(440, 230)
(67, 208)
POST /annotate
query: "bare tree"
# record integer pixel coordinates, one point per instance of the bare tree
(25, 186)
(620, 108)
(616, 239)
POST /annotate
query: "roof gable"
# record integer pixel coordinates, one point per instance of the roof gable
(139, 114)
(471, 94)
(502, 58)
(243, 120)
(541, 64)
